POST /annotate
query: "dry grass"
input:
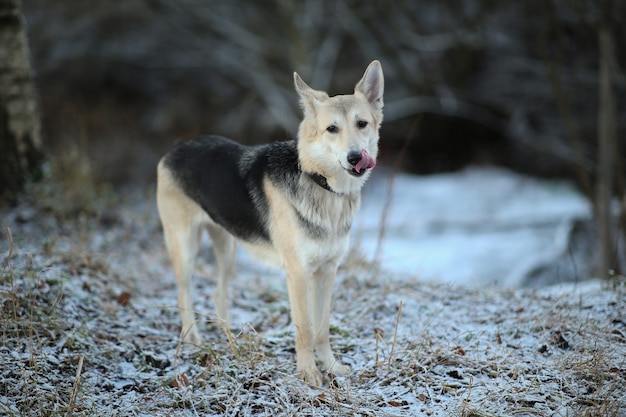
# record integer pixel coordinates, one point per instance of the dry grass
(31, 326)
(70, 189)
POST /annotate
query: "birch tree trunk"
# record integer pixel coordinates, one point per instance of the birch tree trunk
(20, 129)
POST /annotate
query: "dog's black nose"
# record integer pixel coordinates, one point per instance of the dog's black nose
(354, 157)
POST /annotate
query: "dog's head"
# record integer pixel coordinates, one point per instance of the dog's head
(338, 137)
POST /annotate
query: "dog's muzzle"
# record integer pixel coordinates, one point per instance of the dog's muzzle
(360, 161)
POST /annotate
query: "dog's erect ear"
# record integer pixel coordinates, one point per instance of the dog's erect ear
(308, 97)
(301, 86)
(372, 85)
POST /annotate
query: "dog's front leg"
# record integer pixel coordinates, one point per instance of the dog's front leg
(297, 286)
(321, 297)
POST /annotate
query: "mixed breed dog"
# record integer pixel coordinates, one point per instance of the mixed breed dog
(288, 202)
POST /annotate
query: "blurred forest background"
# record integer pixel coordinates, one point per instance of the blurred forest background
(534, 86)
(504, 82)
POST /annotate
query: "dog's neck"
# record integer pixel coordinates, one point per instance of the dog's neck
(320, 180)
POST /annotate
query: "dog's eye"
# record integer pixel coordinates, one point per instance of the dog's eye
(332, 129)
(361, 124)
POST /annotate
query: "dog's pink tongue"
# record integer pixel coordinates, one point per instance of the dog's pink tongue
(366, 161)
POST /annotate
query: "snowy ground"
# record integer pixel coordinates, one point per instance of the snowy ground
(89, 326)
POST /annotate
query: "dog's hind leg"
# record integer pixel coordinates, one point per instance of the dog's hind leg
(182, 225)
(321, 297)
(225, 250)
(184, 249)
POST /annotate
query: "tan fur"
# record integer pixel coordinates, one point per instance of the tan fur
(310, 264)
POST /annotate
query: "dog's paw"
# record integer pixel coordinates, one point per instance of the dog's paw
(339, 369)
(311, 376)
(192, 337)
(332, 365)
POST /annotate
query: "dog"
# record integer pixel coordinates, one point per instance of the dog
(290, 202)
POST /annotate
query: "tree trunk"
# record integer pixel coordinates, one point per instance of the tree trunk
(607, 139)
(20, 129)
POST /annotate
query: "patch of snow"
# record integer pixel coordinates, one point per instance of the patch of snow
(481, 226)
